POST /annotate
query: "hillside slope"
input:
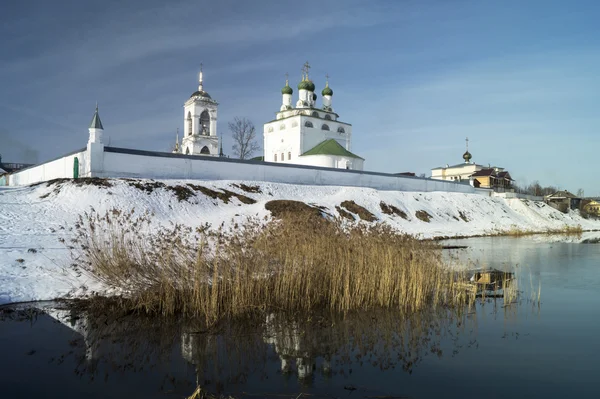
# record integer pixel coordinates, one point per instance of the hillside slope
(34, 265)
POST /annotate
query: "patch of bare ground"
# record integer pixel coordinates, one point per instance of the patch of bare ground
(423, 215)
(359, 210)
(344, 213)
(83, 181)
(248, 189)
(463, 216)
(392, 210)
(223, 195)
(146, 186)
(285, 208)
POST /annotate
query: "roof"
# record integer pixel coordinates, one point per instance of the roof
(484, 172)
(504, 175)
(330, 147)
(200, 93)
(96, 122)
(2, 171)
(259, 158)
(562, 194)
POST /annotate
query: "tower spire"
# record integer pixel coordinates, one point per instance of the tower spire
(176, 141)
(467, 140)
(200, 79)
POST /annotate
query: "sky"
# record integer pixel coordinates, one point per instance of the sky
(415, 78)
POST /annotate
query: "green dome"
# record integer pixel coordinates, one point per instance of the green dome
(467, 156)
(287, 90)
(311, 85)
(304, 85)
(327, 91)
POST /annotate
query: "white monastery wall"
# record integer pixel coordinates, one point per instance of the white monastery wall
(139, 165)
(55, 169)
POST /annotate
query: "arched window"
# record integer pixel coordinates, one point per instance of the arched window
(328, 117)
(308, 124)
(205, 150)
(282, 126)
(189, 124)
(187, 151)
(282, 157)
(341, 130)
(270, 129)
(275, 157)
(315, 114)
(325, 127)
(289, 156)
(205, 123)
(294, 123)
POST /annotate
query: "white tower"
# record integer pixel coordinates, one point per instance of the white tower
(200, 123)
(94, 161)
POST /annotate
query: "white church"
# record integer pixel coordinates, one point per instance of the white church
(308, 134)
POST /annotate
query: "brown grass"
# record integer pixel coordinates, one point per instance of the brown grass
(344, 213)
(362, 212)
(288, 208)
(293, 265)
(568, 230)
(423, 216)
(392, 210)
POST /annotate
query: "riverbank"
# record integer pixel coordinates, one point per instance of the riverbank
(36, 223)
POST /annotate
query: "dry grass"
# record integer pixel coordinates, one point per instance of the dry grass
(297, 264)
(569, 230)
(362, 212)
(392, 210)
(423, 216)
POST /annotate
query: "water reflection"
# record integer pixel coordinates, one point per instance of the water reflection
(319, 347)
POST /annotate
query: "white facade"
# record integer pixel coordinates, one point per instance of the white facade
(295, 131)
(200, 124)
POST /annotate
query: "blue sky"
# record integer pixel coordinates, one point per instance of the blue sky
(414, 78)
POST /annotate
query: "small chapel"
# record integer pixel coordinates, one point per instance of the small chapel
(200, 124)
(308, 134)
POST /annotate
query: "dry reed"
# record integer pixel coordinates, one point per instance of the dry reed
(300, 263)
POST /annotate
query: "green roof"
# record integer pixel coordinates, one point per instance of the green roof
(330, 147)
(96, 123)
(259, 158)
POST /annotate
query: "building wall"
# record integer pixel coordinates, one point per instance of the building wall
(55, 169)
(118, 162)
(142, 164)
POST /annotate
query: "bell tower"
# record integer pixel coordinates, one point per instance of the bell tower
(200, 123)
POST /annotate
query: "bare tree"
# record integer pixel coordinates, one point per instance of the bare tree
(580, 193)
(244, 137)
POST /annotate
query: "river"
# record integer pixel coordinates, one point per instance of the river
(542, 348)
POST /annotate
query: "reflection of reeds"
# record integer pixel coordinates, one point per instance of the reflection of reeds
(298, 264)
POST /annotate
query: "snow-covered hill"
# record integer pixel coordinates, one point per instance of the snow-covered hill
(35, 266)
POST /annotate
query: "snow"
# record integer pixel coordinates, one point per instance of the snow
(34, 265)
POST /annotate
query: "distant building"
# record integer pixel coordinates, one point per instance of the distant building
(591, 207)
(476, 175)
(306, 134)
(563, 200)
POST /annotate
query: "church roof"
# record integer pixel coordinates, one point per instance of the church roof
(330, 147)
(96, 122)
(200, 93)
(2, 171)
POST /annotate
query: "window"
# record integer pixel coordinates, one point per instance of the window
(282, 126)
(205, 150)
(328, 117)
(325, 127)
(289, 156)
(308, 124)
(275, 157)
(204, 123)
(187, 151)
(315, 114)
(341, 130)
(270, 129)
(189, 124)
(294, 123)
(282, 157)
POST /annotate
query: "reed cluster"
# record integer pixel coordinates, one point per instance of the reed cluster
(300, 263)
